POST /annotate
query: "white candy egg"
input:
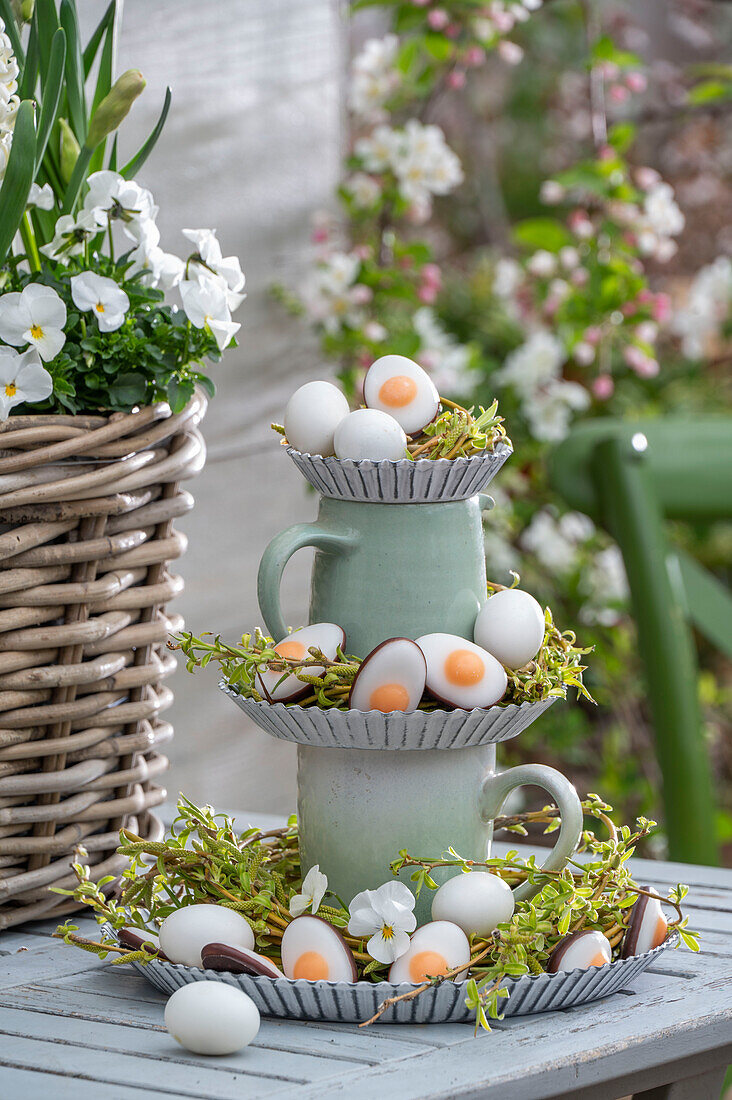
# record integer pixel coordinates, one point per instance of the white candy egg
(312, 415)
(400, 387)
(211, 1018)
(477, 901)
(187, 930)
(460, 673)
(511, 627)
(434, 949)
(580, 951)
(647, 927)
(316, 951)
(327, 637)
(392, 677)
(368, 433)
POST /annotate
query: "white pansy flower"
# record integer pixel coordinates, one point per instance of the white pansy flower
(446, 359)
(227, 267)
(314, 886)
(158, 268)
(111, 197)
(103, 297)
(22, 378)
(70, 235)
(34, 316)
(42, 197)
(374, 77)
(206, 306)
(386, 915)
(708, 305)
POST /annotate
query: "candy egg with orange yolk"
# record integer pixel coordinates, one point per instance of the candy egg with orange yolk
(647, 927)
(461, 673)
(276, 686)
(398, 386)
(316, 951)
(391, 678)
(434, 949)
(580, 951)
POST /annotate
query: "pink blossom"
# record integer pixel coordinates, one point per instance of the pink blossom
(427, 294)
(643, 365)
(661, 308)
(609, 70)
(363, 251)
(636, 82)
(603, 387)
(647, 331)
(503, 21)
(319, 234)
(647, 178)
(606, 152)
(618, 93)
(453, 30)
(365, 359)
(420, 3)
(431, 274)
(510, 52)
(646, 297)
(456, 79)
(474, 56)
(580, 276)
(583, 353)
(628, 309)
(438, 19)
(580, 224)
(592, 335)
(361, 294)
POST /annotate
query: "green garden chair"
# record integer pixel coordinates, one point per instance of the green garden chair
(631, 478)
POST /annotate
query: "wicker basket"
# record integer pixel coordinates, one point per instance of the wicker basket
(87, 505)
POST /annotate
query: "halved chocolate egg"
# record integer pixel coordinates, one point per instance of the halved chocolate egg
(238, 960)
(316, 951)
(647, 927)
(134, 938)
(392, 677)
(580, 951)
(398, 386)
(461, 673)
(328, 637)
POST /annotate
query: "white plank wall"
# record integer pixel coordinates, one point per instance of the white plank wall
(251, 148)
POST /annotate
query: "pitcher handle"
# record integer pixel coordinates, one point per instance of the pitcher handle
(496, 789)
(276, 557)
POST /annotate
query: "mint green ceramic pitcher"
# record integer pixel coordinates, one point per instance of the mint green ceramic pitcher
(384, 570)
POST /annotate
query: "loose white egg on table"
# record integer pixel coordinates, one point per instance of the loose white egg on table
(186, 930)
(238, 960)
(392, 677)
(434, 949)
(511, 627)
(580, 951)
(312, 415)
(211, 1018)
(477, 901)
(461, 673)
(647, 927)
(316, 951)
(398, 386)
(327, 637)
(368, 433)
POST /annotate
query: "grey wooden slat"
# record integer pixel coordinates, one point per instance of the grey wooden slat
(36, 1084)
(52, 960)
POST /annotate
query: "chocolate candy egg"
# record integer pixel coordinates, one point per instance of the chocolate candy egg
(461, 673)
(312, 415)
(185, 931)
(369, 433)
(477, 902)
(434, 949)
(278, 687)
(392, 677)
(511, 627)
(134, 938)
(580, 951)
(647, 927)
(238, 960)
(314, 950)
(211, 1018)
(398, 386)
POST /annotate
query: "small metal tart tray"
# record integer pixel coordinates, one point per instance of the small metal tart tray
(417, 729)
(400, 481)
(355, 1002)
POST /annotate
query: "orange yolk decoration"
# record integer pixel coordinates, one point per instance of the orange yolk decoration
(293, 651)
(312, 966)
(427, 964)
(464, 668)
(661, 929)
(598, 960)
(398, 391)
(387, 697)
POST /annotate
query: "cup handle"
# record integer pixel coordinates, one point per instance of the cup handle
(496, 789)
(276, 557)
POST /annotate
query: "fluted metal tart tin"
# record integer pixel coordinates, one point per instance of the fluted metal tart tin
(400, 481)
(417, 729)
(355, 1002)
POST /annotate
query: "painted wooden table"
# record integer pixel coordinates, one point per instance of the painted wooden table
(74, 1028)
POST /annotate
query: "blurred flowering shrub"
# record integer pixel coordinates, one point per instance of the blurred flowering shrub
(561, 292)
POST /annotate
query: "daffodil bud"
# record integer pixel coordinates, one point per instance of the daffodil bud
(69, 150)
(115, 106)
